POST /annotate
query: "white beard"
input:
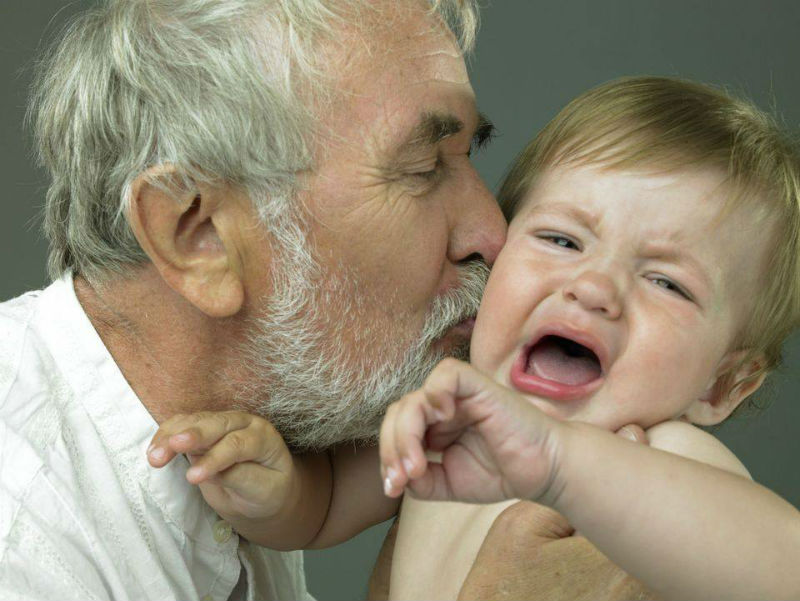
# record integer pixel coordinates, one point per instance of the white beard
(314, 389)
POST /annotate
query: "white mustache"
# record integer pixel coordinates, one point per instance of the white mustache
(457, 304)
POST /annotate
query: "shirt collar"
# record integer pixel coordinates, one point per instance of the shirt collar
(119, 416)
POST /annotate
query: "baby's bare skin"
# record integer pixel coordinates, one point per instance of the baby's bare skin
(444, 575)
(625, 498)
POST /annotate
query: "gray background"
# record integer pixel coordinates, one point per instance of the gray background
(532, 57)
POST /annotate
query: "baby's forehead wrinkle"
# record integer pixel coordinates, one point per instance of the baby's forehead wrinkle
(664, 238)
(587, 217)
(667, 246)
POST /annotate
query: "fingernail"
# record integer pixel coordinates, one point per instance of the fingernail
(194, 472)
(439, 415)
(157, 453)
(391, 474)
(628, 433)
(387, 486)
(408, 465)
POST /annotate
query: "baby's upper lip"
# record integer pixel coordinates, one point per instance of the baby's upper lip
(581, 336)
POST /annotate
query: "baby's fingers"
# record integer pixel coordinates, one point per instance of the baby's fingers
(402, 433)
(452, 379)
(193, 433)
(205, 431)
(257, 486)
(433, 485)
(394, 478)
(260, 444)
(414, 415)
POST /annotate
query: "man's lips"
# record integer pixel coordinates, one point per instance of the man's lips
(552, 389)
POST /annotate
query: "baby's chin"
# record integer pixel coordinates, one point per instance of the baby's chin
(593, 410)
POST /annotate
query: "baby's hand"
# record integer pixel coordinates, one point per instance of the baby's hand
(239, 461)
(495, 444)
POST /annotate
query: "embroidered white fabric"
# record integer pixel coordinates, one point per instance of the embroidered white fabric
(82, 514)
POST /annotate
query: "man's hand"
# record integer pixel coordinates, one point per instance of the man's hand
(239, 461)
(532, 552)
(495, 444)
(529, 553)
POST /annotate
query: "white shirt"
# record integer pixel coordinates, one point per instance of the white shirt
(82, 514)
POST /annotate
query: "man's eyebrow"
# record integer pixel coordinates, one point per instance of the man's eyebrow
(435, 127)
(432, 129)
(483, 133)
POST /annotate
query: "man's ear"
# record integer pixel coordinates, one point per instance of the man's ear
(190, 233)
(734, 382)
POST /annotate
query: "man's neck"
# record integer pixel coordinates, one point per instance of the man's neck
(171, 354)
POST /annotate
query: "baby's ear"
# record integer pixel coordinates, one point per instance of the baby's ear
(735, 380)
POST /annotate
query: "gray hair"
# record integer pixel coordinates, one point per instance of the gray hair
(222, 90)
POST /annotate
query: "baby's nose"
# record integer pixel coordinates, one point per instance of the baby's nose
(596, 292)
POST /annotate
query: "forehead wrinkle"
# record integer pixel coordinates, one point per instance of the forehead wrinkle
(588, 219)
(454, 53)
(416, 36)
(427, 42)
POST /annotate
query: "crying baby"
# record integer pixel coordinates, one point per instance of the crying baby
(635, 286)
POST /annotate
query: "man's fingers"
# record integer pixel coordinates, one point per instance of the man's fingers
(533, 520)
(633, 433)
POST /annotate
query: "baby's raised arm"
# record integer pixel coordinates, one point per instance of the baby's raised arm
(269, 496)
(684, 528)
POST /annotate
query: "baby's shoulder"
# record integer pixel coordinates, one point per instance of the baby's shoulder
(690, 441)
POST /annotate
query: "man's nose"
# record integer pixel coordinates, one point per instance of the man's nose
(477, 225)
(595, 291)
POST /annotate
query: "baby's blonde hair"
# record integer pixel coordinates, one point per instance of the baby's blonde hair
(668, 124)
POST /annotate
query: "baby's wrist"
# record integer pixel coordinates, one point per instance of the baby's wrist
(563, 439)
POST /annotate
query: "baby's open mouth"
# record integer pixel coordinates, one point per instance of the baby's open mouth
(564, 361)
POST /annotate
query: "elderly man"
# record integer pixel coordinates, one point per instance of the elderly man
(254, 204)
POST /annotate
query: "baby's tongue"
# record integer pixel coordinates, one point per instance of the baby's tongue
(563, 361)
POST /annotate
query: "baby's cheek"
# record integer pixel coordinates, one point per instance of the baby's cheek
(486, 339)
(484, 354)
(497, 327)
(634, 394)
